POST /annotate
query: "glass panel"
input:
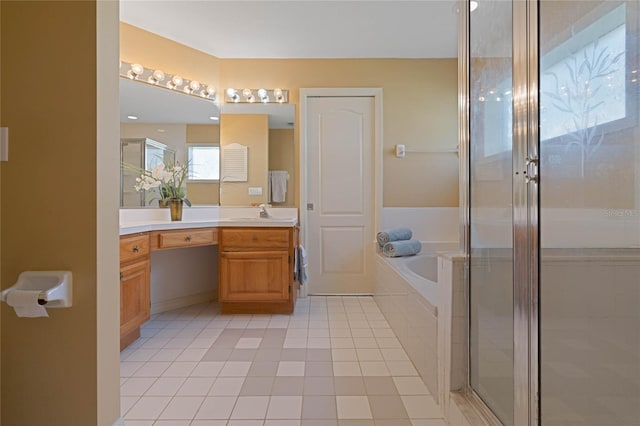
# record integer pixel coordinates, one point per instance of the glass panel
(491, 251)
(590, 213)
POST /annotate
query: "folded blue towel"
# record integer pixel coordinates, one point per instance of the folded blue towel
(402, 248)
(393, 234)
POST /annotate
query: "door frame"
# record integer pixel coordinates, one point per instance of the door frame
(305, 95)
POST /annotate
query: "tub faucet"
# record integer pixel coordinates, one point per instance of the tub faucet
(263, 211)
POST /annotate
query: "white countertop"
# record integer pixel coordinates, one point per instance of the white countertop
(155, 219)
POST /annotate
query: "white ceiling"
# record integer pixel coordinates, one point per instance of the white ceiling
(302, 28)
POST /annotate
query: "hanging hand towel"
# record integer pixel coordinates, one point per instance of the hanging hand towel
(278, 180)
(402, 248)
(393, 234)
(302, 265)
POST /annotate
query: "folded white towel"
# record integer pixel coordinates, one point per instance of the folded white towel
(278, 182)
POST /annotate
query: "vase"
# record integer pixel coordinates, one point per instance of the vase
(163, 203)
(175, 205)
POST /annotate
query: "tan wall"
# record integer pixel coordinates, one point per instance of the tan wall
(419, 105)
(153, 51)
(419, 110)
(49, 215)
(281, 157)
(203, 192)
(251, 130)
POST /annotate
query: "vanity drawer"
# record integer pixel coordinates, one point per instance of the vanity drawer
(252, 238)
(134, 246)
(185, 238)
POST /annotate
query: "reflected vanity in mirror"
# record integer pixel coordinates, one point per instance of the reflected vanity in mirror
(196, 131)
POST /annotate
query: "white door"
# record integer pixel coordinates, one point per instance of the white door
(340, 185)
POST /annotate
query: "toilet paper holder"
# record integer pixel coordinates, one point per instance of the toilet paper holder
(55, 287)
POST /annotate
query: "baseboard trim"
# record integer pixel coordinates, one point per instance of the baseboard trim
(181, 302)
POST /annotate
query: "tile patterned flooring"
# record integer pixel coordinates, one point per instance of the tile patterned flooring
(334, 362)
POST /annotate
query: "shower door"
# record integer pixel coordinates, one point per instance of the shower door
(590, 213)
(491, 211)
(554, 211)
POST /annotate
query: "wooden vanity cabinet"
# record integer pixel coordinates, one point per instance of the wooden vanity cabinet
(256, 270)
(134, 286)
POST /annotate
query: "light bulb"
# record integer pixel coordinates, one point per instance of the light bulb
(246, 93)
(194, 85)
(263, 95)
(231, 92)
(158, 75)
(251, 98)
(176, 81)
(137, 69)
(278, 95)
(210, 91)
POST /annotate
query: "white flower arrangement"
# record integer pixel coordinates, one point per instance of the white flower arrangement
(169, 179)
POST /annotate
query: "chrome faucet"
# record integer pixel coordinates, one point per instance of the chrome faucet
(263, 211)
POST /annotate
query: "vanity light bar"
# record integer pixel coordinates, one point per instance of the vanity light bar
(167, 81)
(266, 96)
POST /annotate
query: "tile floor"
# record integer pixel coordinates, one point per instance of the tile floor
(334, 362)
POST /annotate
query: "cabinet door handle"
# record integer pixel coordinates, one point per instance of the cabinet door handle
(136, 249)
(254, 238)
(188, 238)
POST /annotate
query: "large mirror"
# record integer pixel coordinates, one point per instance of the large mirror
(267, 132)
(199, 134)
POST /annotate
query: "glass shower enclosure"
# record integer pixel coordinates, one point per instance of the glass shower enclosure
(554, 211)
(138, 154)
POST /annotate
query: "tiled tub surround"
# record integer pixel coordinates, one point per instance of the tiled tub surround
(436, 224)
(410, 304)
(334, 362)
